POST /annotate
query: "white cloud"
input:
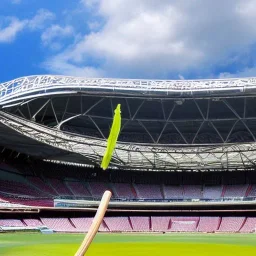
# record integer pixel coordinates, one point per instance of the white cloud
(51, 37)
(90, 3)
(152, 38)
(94, 25)
(11, 26)
(61, 66)
(40, 20)
(9, 32)
(246, 72)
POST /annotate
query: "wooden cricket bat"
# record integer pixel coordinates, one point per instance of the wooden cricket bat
(95, 224)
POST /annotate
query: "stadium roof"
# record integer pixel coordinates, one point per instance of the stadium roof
(202, 124)
(31, 86)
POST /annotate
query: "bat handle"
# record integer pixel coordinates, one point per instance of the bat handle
(95, 223)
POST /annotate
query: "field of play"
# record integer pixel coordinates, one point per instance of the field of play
(19, 244)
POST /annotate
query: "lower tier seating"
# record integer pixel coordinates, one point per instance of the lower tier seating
(249, 226)
(231, 224)
(208, 224)
(116, 224)
(184, 224)
(59, 224)
(141, 224)
(160, 223)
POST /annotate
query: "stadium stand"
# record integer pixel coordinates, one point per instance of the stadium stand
(140, 224)
(33, 222)
(184, 224)
(173, 192)
(160, 223)
(42, 194)
(249, 225)
(192, 192)
(35, 202)
(42, 185)
(123, 190)
(252, 192)
(33, 174)
(60, 187)
(231, 224)
(212, 192)
(59, 224)
(118, 224)
(11, 223)
(235, 190)
(81, 224)
(146, 191)
(103, 227)
(204, 224)
(97, 188)
(78, 188)
(149, 187)
(20, 192)
(208, 224)
(19, 188)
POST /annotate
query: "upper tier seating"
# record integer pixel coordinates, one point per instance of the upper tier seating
(192, 192)
(173, 192)
(60, 187)
(38, 202)
(252, 191)
(78, 189)
(212, 192)
(42, 185)
(147, 191)
(57, 180)
(19, 188)
(235, 190)
(97, 189)
(124, 190)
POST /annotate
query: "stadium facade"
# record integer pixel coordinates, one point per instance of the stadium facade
(178, 126)
(166, 125)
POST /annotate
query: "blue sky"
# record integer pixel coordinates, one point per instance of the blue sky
(178, 39)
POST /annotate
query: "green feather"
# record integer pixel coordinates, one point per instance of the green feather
(112, 139)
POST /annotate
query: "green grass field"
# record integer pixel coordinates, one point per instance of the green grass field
(29, 244)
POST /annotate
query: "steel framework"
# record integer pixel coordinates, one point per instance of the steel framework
(28, 87)
(184, 154)
(136, 156)
(62, 117)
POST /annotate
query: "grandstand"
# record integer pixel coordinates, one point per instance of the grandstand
(203, 224)
(184, 162)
